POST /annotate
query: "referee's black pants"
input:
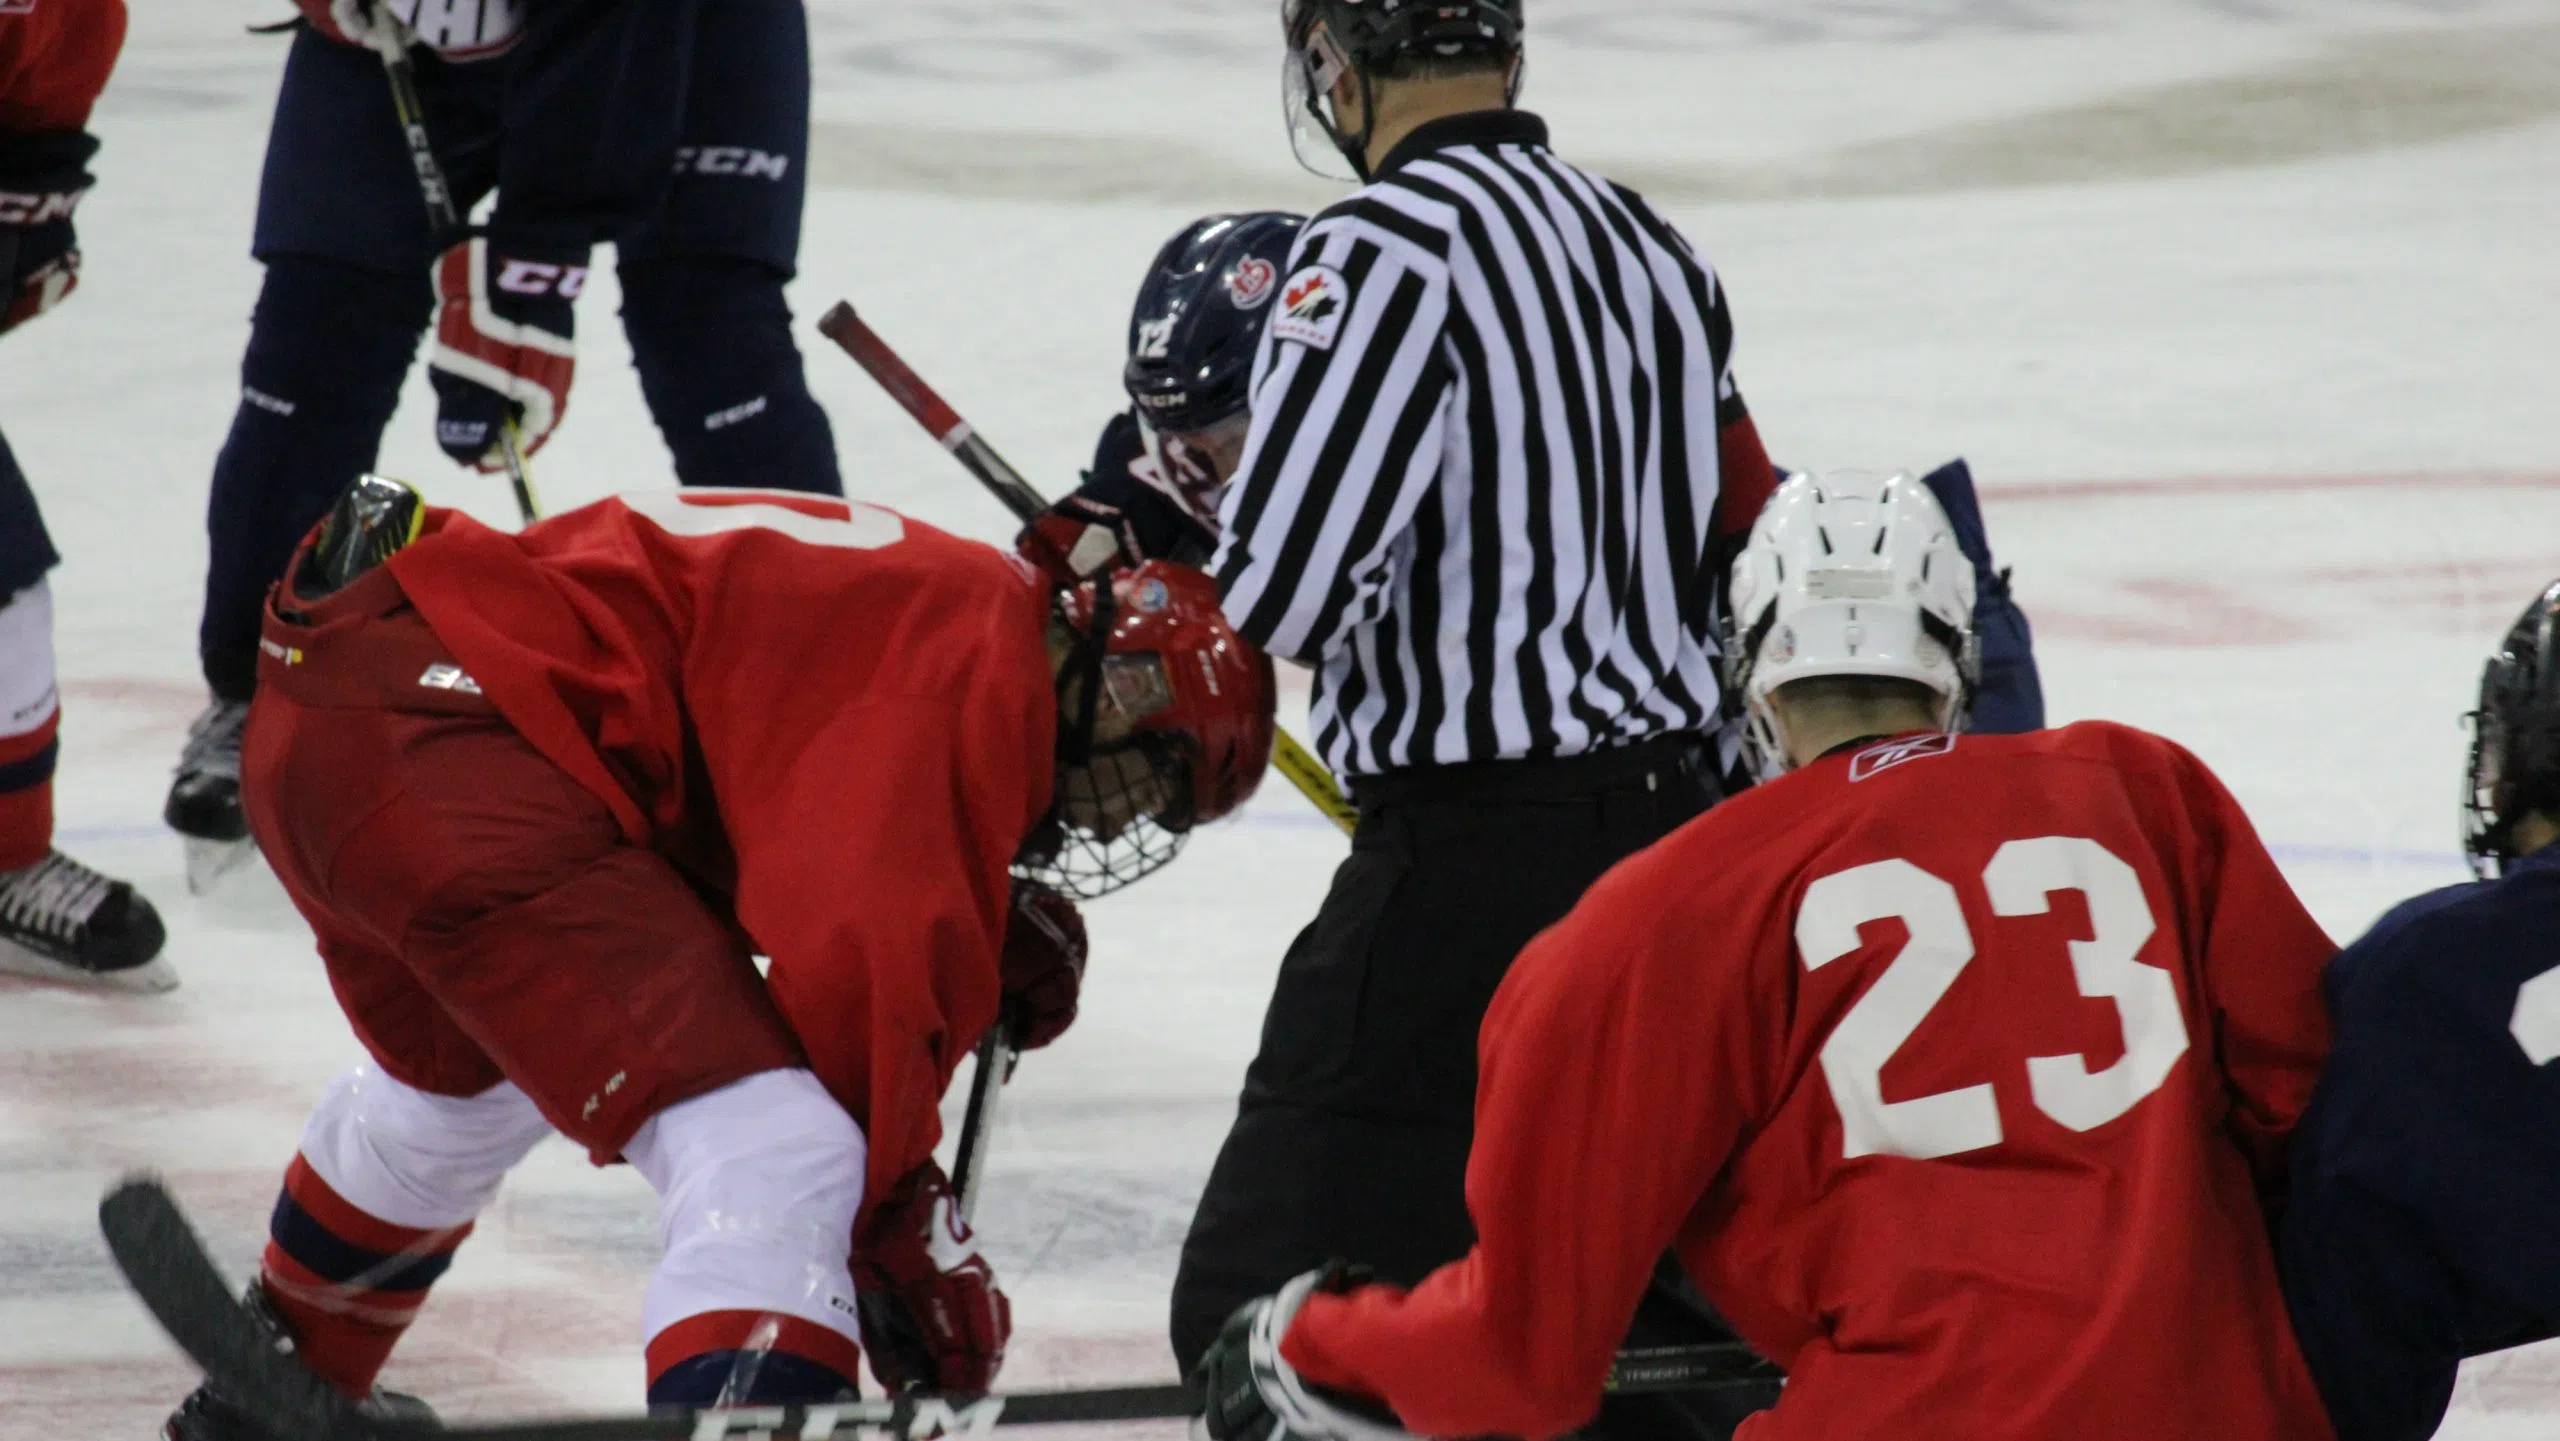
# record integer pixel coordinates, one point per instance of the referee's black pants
(1351, 1137)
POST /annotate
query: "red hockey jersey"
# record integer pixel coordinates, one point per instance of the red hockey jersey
(1957, 1071)
(55, 56)
(840, 718)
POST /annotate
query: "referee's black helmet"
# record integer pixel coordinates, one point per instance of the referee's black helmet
(1373, 40)
(1387, 37)
(2515, 735)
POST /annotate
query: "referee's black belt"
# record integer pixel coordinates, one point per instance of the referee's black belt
(1642, 765)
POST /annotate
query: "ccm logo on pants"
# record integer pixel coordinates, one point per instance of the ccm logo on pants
(731, 160)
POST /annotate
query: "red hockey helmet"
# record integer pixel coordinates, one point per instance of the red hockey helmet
(1164, 721)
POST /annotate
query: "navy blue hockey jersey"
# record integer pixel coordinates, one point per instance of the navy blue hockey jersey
(2424, 1221)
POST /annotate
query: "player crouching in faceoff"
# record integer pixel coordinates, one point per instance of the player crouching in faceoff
(2420, 1226)
(1956, 1069)
(542, 796)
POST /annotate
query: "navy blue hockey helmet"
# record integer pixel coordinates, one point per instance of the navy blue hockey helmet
(1199, 316)
(2515, 735)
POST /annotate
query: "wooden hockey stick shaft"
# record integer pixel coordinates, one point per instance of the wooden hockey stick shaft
(1296, 764)
(390, 39)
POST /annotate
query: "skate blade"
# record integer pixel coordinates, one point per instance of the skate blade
(209, 861)
(150, 978)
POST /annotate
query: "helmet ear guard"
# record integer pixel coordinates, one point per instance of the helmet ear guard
(1848, 574)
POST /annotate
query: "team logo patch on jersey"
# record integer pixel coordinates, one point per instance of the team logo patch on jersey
(1249, 284)
(1311, 307)
(1879, 758)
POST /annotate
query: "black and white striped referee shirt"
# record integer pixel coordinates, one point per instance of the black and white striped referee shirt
(1492, 424)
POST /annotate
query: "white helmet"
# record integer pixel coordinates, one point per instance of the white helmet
(1850, 573)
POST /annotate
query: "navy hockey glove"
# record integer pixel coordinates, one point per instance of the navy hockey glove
(42, 178)
(1248, 1392)
(504, 344)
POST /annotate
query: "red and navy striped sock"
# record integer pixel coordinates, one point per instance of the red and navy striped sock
(347, 1283)
(26, 794)
(692, 1361)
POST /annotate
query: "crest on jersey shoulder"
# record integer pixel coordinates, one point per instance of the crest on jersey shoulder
(1878, 758)
(1311, 307)
(1249, 284)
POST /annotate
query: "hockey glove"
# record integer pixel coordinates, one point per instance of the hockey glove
(1043, 966)
(932, 1315)
(1248, 1392)
(459, 30)
(504, 322)
(1078, 538)
(42, 178)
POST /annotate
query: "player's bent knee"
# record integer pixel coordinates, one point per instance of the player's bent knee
(412, 1158)
(758, 1183)
(328, 337)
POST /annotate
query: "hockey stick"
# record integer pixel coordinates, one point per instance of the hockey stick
(848, 330)
(165, 1262)
(390, 39)
(996, 1053)
(167, 1265)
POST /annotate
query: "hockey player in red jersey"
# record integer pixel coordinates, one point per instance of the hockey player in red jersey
(542, 796)
(1957, 1069)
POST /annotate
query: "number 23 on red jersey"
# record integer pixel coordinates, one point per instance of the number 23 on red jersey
(2020, 881)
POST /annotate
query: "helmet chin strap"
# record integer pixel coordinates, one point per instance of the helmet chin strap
(1075, 735)
(1355, 149)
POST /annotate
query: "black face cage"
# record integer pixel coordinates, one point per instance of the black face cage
(1120, 810)
(2515, 738)
(1083, 861)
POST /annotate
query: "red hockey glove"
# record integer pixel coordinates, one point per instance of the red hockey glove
(503, 346)
(42, 178)
(932, 1314)
(1076, 538)
(1044, 953)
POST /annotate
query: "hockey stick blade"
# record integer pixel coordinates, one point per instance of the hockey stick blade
(166, 1264)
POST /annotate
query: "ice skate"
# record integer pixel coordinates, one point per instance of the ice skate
(204, 801)
(209, 1415)
(61, 921)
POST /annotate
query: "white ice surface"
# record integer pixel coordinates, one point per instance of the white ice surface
(2283, 268)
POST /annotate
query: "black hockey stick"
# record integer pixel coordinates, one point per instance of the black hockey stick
(996, 1053)
(390, 40)
(167, 1265)
(165, 1262)
(857, 339)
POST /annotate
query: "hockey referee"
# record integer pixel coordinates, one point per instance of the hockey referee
(1496, 459)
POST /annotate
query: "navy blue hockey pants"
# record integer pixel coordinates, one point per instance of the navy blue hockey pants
(344, 235)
